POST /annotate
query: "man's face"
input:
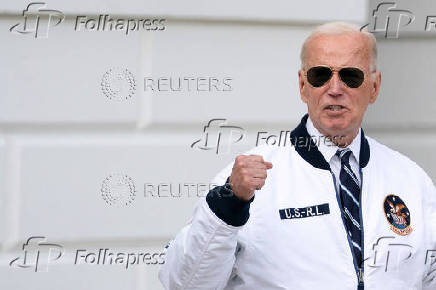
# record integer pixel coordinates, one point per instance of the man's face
(336, 52)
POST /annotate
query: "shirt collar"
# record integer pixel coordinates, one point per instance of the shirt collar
(328, 149)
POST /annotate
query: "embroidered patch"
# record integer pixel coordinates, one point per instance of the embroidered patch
(397, 214)
(303, 212)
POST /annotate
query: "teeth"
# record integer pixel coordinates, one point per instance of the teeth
(334, 108)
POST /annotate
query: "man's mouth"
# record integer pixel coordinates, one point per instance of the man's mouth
(334, 108)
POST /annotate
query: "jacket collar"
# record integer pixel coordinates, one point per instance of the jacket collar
(309, 152)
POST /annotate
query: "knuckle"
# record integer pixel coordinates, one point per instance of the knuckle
(239, 159)
(258, 158)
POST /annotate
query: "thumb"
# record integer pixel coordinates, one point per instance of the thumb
(268, 165)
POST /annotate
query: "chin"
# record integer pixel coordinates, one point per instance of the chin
(336, 126)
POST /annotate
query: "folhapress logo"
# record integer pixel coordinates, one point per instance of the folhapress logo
(38, 20)
(219, 136)
(108, 23)
(118, 84)
(386, 18)
(37, 254)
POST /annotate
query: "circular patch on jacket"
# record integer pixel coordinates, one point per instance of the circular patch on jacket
(397, 214)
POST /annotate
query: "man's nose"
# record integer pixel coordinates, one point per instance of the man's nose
(336, 85)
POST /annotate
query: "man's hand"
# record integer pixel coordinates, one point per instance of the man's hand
(248, 174)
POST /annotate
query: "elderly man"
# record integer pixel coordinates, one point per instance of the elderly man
(345, 214)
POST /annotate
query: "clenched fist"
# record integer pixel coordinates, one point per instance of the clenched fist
(248, 174)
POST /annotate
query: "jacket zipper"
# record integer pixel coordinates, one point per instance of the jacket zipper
(360, 275)
(358, 269)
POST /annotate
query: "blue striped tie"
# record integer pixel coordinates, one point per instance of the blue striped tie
(349, 190)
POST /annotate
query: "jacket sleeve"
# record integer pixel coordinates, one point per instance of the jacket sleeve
(429, 282)
(202, 255)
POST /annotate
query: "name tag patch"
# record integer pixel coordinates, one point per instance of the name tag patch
(303, 212)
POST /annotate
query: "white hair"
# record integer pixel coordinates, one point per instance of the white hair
(333, 28)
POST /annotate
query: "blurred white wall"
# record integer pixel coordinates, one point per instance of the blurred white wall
(63, 141)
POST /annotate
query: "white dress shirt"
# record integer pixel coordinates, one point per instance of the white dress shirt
(328, 151)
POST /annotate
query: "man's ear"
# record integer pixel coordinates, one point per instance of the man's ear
(375, 87)
(302, 85)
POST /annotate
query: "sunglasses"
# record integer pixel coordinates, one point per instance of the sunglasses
(350, 76)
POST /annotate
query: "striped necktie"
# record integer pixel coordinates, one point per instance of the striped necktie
(349, 190)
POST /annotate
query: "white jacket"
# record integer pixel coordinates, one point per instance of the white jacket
(295, 237)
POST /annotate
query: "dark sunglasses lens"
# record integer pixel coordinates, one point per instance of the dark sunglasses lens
(318, 75)
(352, 77)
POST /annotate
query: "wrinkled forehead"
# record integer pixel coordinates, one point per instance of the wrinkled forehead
(339, 50)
